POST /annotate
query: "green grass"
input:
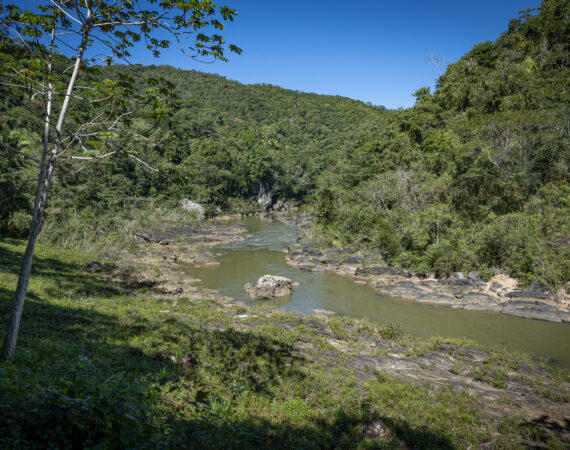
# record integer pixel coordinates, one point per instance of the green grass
(93, 368)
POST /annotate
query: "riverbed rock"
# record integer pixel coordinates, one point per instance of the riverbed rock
(351, 260)
(531, 295)
(532, 309)
(457, 281)
(204, 257)
(323, 312)
(381, 270)
(537, 286)
(402, 289)
(438, 299)
(540, 314)
(480, 301)
(269, 286)
(475, 276)
(312, 252)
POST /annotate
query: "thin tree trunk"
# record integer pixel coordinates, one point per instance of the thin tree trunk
(18, 306)
(42, 192)
(9, 345)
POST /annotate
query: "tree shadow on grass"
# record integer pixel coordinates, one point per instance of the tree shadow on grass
(75, 379)
(76, 382)
(11, 260)
(60, 277)
(343, 430)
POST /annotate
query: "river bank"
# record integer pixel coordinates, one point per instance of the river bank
(160, 252)
(294, 373)
(433, 363)
(500, 294)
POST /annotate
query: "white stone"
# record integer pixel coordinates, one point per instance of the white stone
(269, 286)
(189, 205)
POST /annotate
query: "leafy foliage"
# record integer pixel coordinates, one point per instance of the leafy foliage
(475, 175)
(217, 141)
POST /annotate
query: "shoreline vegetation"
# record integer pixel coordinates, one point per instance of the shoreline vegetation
(193, 368)
(500, 293)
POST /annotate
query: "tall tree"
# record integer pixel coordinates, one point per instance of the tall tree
(43, 55)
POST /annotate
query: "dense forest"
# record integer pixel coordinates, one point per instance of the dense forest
(220, 141)
(474, 176)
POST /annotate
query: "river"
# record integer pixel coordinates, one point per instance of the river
(264, 253)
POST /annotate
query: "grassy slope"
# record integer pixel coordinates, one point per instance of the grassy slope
(91, 367)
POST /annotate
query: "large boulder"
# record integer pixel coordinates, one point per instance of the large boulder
(269, 286)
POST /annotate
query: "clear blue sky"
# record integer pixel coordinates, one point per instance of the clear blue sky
(372, 50)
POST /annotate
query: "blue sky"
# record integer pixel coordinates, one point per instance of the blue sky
(372, 50)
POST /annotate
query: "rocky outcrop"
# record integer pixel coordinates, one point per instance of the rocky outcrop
(534, 304)
(161, 254)
(269, 286)
(189, 205)
(199, 233)
(501, 293)
(262, 195)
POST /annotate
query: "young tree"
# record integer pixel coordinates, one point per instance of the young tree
(34, 66)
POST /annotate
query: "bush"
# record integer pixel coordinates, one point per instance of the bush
(18, 224)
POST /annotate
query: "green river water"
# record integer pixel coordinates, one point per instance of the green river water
(263, 253)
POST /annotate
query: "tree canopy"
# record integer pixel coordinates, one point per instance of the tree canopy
(80, 118)
(475, 176)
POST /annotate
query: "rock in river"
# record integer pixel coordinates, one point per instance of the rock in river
(269, 286)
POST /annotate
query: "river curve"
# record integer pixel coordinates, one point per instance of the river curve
(263, 253)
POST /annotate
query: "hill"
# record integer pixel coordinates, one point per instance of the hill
(475, 175)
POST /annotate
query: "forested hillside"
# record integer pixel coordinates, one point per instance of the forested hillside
(475, 176)
(217, 143)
